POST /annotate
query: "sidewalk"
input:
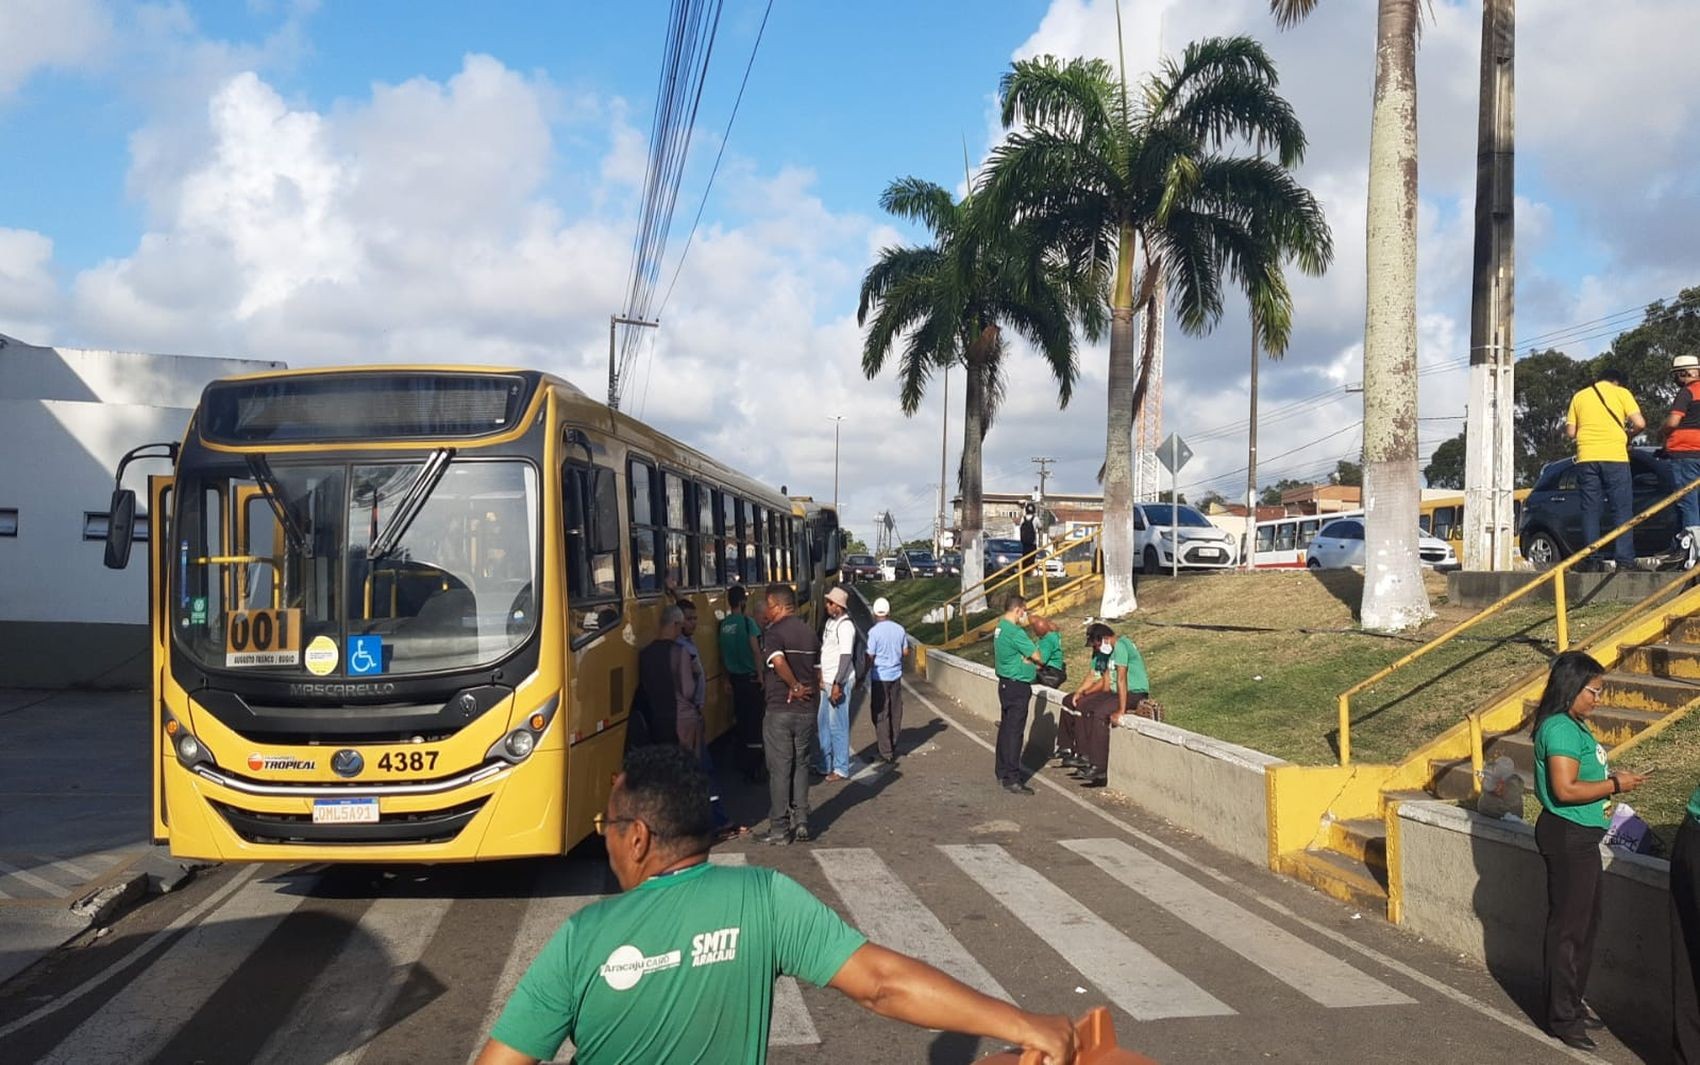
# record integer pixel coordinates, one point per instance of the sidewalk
(73, 811)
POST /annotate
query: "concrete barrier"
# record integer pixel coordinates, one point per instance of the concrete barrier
(1211, 788)
(1478, 886)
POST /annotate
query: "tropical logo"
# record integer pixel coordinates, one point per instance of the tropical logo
(627, 965)
(280, 763)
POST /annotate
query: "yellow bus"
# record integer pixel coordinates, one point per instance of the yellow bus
(396, 612)
(1442, 517)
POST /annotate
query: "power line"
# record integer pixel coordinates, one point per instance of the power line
(725, 138)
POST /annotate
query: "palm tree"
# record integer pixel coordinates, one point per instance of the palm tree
(948, 303)
(1136, 185)
(1394, 598)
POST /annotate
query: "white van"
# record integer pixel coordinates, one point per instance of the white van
(1201, 544)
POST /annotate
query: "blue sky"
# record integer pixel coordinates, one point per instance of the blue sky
(384, 181)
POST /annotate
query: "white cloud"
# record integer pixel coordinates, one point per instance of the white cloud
(29, 294)
(49, 34)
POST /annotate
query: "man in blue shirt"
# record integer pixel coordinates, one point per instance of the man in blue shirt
(888, 645)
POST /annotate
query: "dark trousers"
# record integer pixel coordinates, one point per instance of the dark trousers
(1685, 943)
(886, 705)
(1611, 481)
(1572, 855)
(786, 735)
(747, 712)
(1094, 728)
(1014, 697)
(1068, 724)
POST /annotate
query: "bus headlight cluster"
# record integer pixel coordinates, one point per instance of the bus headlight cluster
(520, 742)
(189, 750)
(518, 745)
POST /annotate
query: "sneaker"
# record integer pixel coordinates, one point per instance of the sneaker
(1608, 565)
(775, 837)
(801, 834)
(1015, 787)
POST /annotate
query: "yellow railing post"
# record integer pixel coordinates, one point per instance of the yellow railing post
(1475, 720)
(1345, 730)
(1559, 608)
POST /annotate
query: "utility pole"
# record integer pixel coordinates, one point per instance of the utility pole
(613, 375)
(1249, 557)
(837, 423)
(944, 439)
(1044, 465)
(1489, 541)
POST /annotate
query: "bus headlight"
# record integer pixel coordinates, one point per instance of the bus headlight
(520, 742)
(188, 749)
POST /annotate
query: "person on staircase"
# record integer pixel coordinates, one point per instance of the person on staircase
(1682, 448)
(1573, 785)
(1601, 419)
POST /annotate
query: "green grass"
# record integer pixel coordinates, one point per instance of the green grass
(1674, 757)
(1258, 659)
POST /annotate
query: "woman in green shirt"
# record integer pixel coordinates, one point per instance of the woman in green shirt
(1685, 937)
(1573, 785)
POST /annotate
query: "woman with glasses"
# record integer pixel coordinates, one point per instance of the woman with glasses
(1573, 785)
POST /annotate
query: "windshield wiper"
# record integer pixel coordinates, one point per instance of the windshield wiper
(271, 492)
(411, 503)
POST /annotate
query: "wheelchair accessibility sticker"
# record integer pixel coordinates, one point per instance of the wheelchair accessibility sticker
(365, 655)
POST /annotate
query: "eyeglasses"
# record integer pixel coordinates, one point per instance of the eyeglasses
(1595, 691)
(600, 822)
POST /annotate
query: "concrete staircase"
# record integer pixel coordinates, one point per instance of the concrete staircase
(1653, 663)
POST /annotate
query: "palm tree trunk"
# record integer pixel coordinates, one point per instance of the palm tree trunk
(1394, 599)
(1117, 543)
(973, 505)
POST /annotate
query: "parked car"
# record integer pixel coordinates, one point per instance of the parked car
(1054, 568)
(1550, 529)
(894, 568)
(859, 568)
(921, 563)
(950, 564)
(1001, 553)
(1202, 545)
(1340, 545)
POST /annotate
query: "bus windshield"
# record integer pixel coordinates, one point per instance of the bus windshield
(274, 567)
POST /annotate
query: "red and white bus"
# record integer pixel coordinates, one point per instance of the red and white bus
(1281, 543)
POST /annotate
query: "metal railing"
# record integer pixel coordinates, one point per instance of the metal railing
(1554, 576)
(1029, 568)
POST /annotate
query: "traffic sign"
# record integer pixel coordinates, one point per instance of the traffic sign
(1173, 453)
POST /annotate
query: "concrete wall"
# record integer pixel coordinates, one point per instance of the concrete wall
(1478, 886)
(1214, 789)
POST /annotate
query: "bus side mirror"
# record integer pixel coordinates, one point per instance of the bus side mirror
(120, 526)
(604, 516)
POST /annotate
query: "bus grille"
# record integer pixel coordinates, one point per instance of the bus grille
(428, 826)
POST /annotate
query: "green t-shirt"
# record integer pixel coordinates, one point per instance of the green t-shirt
(1126, 654)
(1563, 735)
(735, 653)
(678, 969)
(1694, 805)
(1050, 649)
(1014, 652)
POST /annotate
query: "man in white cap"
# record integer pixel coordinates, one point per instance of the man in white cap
(1682, 444)
(888, 646)
(837, 681)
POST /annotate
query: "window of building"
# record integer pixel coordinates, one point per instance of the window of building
(9, 521)
(646, 534)
(95, 524)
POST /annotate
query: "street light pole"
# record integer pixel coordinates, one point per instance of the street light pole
(837, 422)
(613, 377)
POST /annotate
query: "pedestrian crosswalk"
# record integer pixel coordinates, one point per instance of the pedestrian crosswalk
(1074, 897)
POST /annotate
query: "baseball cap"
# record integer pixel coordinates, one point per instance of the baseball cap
(839, 596)
(882, 607)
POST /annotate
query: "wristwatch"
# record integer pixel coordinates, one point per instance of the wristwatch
(1615, 786)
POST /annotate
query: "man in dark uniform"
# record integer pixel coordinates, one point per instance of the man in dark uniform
(1017, 658)
(790, 681)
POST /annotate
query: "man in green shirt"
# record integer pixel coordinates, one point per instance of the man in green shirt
(1017, 657)
(1127, 686)
(740, 647)
(680, 967)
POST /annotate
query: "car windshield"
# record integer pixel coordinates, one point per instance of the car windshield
(860, 560)
(924, 557)
(355, 570)
(1004, 547)
(1158, 514)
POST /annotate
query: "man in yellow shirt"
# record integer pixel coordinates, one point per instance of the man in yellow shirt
(1601, 420)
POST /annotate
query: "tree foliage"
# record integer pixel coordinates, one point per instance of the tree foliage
(1445, 468)
(1347, 473)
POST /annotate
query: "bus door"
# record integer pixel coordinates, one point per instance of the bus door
(602, 665)
(159, 624)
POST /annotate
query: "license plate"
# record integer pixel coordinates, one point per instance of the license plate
(345, 811)
(1209, 552)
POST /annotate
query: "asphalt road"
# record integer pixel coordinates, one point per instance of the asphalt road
(1060, 900)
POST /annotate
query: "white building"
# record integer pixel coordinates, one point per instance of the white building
(69, 415)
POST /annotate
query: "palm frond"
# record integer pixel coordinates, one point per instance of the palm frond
(1289, 13)
(921, 201)
(1069, 98)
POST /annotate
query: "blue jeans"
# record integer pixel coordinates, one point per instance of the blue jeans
(1684, 467)
(833, 722)
(1610, 480)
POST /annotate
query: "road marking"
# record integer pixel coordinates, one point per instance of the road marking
(340, 1013)
(1409, 972)
(557, 895)
(888, 913)
(27, 877)
(137, 1022)
(1312, 972)
(71, 867)
(1128, 974)
(792, 1026)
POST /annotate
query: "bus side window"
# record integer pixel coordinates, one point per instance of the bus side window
(1424, 523)
(706, 552)
(678, 532)
(1307, 532)
(1445, 522)
(640, 477)
(1266, 538)
(592, 578)
(1286, 535)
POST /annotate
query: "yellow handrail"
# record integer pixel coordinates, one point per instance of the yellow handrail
(1015, 573)
(1554, 575)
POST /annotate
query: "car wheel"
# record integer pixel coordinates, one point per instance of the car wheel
(1542, 551)
(1313, 563)
(1153, 563)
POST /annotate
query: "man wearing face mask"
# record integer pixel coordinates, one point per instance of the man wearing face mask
(1018, 659)
(1124, 672)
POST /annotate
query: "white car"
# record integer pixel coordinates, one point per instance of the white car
(1340, 545)
(1055, 569)
(1201, 544)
